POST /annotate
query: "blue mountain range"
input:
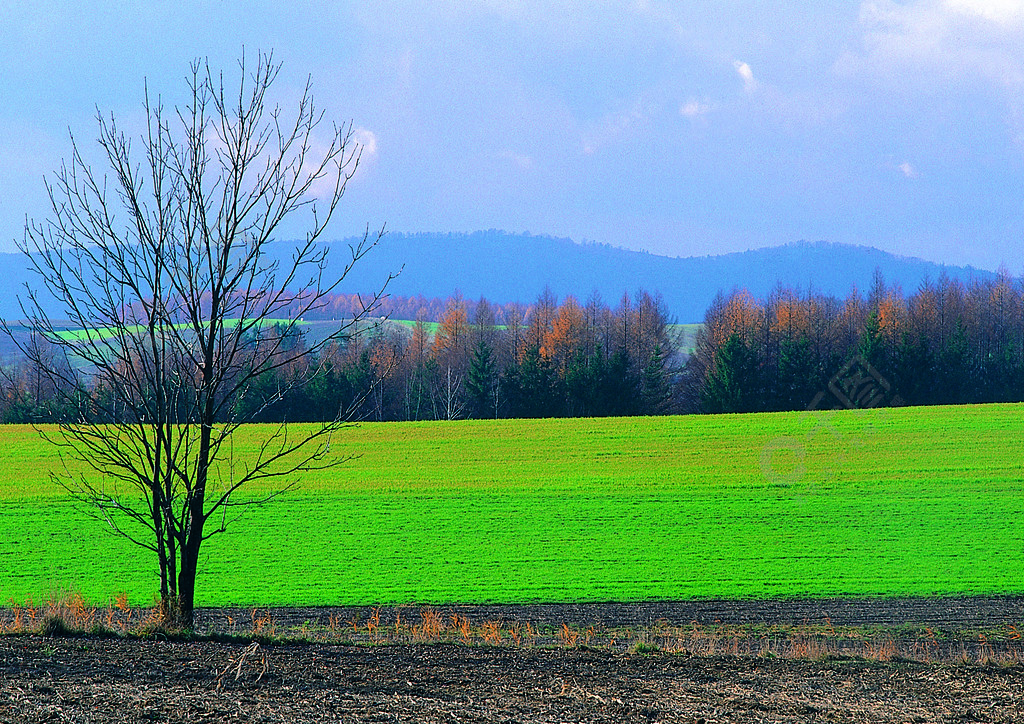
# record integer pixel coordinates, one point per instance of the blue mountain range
(507, 267)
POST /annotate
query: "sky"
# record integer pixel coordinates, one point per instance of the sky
(679, 128)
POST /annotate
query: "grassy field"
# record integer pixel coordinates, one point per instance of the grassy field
(913, 501)
(99, 333)
(684, 336)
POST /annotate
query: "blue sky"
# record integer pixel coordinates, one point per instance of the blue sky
(679, 128)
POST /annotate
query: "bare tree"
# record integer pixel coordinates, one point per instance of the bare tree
(171, 272)
(452, 403)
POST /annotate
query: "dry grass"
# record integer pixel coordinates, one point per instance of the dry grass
(66, 613)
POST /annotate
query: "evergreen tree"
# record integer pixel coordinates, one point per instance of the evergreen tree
(871, 347)
(1004, 376)
(914, 371)
(482, 382)
(956, 374)
(584, 382)
(799, 376)
(732, 385)
(533, 387)
(656, 392)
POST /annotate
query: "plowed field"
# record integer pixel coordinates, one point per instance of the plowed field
(131, 680)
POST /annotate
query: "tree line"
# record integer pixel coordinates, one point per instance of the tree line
(482, 360)
(478, 360)
(946, 343)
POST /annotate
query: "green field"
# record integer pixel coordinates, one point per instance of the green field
(408, 324)
(913, 501)
(99, 333)
(684, 336)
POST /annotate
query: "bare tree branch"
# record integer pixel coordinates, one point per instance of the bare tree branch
(167, 267)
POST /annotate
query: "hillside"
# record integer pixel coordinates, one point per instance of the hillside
(516, 267)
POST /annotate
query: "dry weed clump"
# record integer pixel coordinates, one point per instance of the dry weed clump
(263, 625)
(463, 627)
(119, 613)
(67, 613)
(430, 627)
(22, 619)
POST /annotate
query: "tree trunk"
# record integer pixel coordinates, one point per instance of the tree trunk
(185, 604)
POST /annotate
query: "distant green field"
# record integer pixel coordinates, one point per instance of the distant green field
(98, 333)
(914, 501)
(430, 327)
(684, 336)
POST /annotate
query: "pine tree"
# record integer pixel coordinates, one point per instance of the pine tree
(482, 381)
(732, 384)
(656, 392)
(532, 387)
(956, 376)
(799, 376)
(620, 387)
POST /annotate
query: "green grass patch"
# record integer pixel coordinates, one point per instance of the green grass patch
(913, 501)
(684, 336)
(430, 327)
(99, 333)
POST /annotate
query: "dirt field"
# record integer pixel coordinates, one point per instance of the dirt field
(131, 680)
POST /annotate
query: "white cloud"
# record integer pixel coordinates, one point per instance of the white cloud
(930, 48)
(951, 39)
(694, 108)
(908, 170)
(367, 140)
(612, 127)
(365, 143)
(744, 72)
(519, 160)
(1003, 12)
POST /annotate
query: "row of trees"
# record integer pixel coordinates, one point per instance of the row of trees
(548, 360)
(479, 360)
(947, 343)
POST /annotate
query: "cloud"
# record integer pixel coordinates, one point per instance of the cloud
(694, 108)
(944, 49)
(952, 40)
(611, 128)
(908, 170)
(744, 72)
(519, 160)
(367, 140)
(1006, 13)
(365, 143)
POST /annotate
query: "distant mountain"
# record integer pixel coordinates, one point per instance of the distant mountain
(516, 267)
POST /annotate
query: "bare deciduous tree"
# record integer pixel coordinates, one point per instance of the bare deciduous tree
(170, 271)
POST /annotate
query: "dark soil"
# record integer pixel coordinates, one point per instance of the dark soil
(967, 612)
(130, 680)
